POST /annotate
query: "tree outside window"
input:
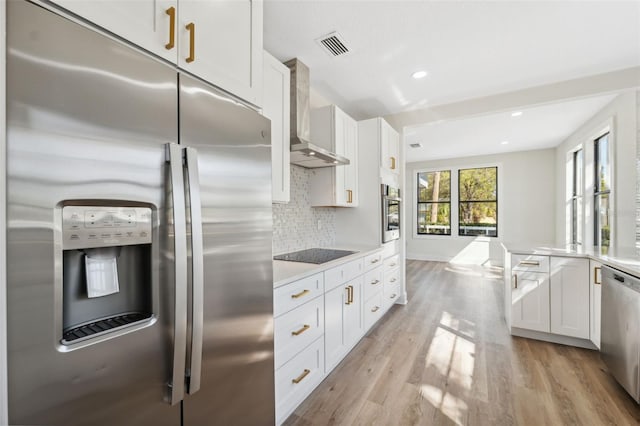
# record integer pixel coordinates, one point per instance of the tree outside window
(602, 193)
(478, 201)
(434, 203)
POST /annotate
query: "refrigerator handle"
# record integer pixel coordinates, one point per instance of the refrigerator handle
(176, 386)
(197, 264)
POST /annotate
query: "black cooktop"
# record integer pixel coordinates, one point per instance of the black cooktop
(314, 255)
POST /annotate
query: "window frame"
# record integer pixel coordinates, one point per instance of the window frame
(418, 202)
(597, 194)
(460, 169)
(576, 197)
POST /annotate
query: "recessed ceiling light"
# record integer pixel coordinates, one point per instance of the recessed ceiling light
(419, 74)
(312, 153)
(516, 113)
(504, 142)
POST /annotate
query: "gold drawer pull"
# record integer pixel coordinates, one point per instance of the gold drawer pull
(375, 260)
(375, 309)
(393, 280)
(302, 330)
(302, 293)
(393, 163)
(374, 282)
(298, 379)
(172, 28)
(191, 27)
(595, 275)
(529, 262)
(393, 296)
(392, 265)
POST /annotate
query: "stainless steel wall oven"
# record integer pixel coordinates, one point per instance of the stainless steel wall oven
(391, 213)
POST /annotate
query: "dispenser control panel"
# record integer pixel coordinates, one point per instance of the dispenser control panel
(100, 226)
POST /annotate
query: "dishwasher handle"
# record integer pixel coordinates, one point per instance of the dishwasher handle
(618, 278)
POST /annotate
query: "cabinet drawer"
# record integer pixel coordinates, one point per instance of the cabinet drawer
(373, 310)
(391, 262)
(372, 261)
(372, 282)
(294, 330)
(391, 278)
(292, 295)
(391, 295)
(529, 263)
(297, 378)
(341, 274)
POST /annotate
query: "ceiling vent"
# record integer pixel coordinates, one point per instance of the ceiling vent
(333, 44)
(415, 145)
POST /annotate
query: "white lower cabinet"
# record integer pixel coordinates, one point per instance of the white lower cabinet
(343, 321)
(595, 294)
(569, 297)
(296, 379)
(530, 300)
(320, 318)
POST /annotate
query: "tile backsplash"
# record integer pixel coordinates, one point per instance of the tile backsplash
(295, 225)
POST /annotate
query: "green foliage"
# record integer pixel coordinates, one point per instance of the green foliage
(478, 185)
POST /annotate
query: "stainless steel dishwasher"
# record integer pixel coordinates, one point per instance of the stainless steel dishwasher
(620, 333)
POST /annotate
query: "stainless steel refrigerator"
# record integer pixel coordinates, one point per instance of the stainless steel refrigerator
(139, 237)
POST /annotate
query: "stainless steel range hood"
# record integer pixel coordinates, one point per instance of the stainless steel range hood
(303, 152)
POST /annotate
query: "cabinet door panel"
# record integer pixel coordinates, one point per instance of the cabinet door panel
(228, 44)
(351, 152)
(142, 22)
(353, 317)
(530, 301)
(570, 297)
(595, 295)
(334, 337)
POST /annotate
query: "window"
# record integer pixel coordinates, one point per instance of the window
(478, 201)
(434, 202)
(576, 196)
(602, 192)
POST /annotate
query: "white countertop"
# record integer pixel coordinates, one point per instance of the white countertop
(626, 260)
(285, 271)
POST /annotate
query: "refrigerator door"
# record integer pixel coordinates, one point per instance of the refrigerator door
(234, 161)
(88, 120)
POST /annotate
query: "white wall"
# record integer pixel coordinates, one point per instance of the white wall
(526, 208)
(621, 116)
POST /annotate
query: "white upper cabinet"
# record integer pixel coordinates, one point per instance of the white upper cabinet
(220, 41)
(334, 130)
(151, 24)
(276, 101)
(389, 149)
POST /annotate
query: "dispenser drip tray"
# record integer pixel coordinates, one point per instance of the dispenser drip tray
(102, 326)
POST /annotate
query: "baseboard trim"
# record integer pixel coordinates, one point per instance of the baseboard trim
(553, 338)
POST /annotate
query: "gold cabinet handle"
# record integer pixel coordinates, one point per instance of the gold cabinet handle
(298, 379)
(191, 27)
(515, 276)
(393, 280)
(393, 163)
(298, 295)
(393, 296)
(595, 275)
(529, 262)
(375, 309)
(374, 282)
(302, 330)
(376, 260)
(349, 196)
(392, 265)
(348, 288)
(172, 28)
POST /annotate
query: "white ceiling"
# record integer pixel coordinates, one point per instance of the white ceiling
(470, 49)
(537, 128)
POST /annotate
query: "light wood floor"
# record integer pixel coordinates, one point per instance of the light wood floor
(446, 358)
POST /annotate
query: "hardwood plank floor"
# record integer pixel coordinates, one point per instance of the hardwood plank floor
(446, 358)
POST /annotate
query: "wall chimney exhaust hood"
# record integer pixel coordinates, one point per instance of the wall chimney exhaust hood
(303, 152)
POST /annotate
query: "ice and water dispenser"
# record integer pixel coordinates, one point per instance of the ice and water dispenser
(106, 271)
